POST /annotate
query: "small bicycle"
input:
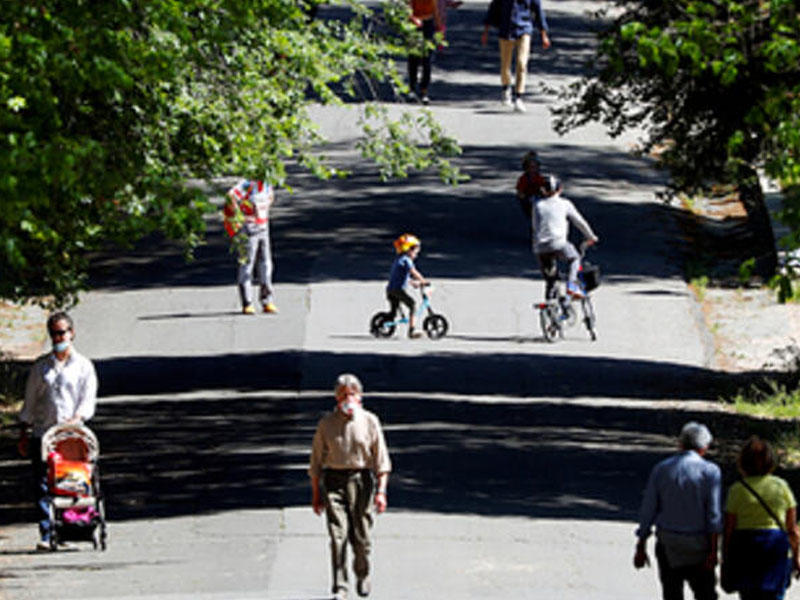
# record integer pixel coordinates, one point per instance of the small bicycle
(383, 324)
(558, 312)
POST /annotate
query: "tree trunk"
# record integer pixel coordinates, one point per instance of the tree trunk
(759, 223)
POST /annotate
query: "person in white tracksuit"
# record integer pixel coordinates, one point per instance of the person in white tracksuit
(550, 219)
(247, 214)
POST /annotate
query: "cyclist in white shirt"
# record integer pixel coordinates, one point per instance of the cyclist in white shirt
(550, 219)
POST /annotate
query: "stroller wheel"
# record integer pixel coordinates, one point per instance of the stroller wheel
(101, 529)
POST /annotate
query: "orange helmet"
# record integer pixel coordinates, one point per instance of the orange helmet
(405, 242)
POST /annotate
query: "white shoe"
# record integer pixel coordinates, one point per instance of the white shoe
(505, 99)
(519, 105)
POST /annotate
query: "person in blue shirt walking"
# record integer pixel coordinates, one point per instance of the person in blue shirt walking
(515, 21)
(682, 500)
(402, 274)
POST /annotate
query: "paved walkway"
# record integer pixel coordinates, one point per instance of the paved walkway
(518, 464)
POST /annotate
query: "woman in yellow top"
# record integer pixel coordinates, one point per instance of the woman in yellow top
(756, 547)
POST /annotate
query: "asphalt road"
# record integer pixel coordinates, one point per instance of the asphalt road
(518, 464)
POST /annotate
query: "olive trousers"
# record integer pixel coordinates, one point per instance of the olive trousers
(349, 497)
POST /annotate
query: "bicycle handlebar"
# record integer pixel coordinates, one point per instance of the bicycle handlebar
(584, 246)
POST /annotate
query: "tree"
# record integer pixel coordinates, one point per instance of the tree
(106, 108)
(714, 83)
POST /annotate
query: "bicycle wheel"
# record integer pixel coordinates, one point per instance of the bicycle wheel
(435, 326)
(382, 325)
(549, 323)
(589, 317)
(568, 313)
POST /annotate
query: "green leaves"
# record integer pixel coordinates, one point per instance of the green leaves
(414, 141)
(106, 108)
(714, 83)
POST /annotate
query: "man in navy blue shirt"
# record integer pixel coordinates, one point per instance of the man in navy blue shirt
(682, 499)
(515, 21)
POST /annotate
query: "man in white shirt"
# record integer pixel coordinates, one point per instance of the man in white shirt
(61, 388)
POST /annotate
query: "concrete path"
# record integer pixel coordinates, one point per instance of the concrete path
(518, 464)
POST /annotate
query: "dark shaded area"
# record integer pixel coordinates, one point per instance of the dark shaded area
(13, 375)
(519, 375)
(720, 246)
(552, 460)
(343, 229)
(529, 456)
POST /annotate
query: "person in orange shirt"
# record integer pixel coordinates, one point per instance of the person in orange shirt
(426, 16)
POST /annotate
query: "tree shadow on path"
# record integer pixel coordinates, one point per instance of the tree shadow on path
(343, 231)
(469, 434)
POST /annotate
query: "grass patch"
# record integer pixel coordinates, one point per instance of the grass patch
(774, 400)
(700, 286)
(778, 405)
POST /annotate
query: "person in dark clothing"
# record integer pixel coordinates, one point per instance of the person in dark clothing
(515, 21)
(425, 15)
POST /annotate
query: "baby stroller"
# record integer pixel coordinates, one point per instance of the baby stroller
(76, 506)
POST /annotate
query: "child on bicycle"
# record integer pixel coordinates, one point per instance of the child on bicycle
(402, 274)
(550, 219)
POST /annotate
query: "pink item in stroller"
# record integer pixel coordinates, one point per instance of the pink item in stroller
(75, 503)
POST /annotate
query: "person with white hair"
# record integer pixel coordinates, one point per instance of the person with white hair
(349, 474)
(682, 500)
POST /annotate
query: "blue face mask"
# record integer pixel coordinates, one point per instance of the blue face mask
(61, 346)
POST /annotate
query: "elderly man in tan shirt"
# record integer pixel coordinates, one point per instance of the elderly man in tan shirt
(347, 455)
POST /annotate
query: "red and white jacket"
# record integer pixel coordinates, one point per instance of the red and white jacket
(251, 199)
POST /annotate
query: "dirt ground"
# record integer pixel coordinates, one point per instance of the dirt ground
(22, 331)
(750, 330)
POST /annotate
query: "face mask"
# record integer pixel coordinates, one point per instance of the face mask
(348, 407)
(61, 346)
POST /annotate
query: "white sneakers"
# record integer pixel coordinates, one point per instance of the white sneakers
(508, 100)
